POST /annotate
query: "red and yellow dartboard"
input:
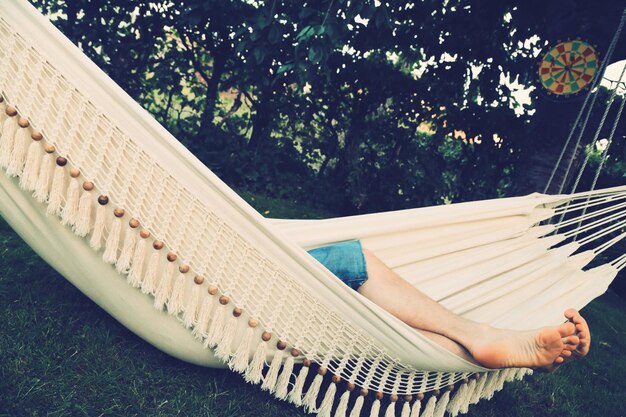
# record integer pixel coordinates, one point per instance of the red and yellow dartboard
(569, 67)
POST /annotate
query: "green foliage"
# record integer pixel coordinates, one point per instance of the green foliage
(362, 98)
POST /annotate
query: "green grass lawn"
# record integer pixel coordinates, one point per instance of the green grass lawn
(61, 355)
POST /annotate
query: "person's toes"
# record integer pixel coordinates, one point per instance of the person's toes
(566, 329)
(571, 340)
(559, 360)
(566, 353)
(570, 313)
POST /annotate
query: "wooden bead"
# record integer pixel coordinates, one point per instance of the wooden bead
(408, 398)
(436, 392)
(322, 371)
(336, 378)
(350, 386)
(379, 395)
(74, 172)
(420, 396)
(10, 111)
(253, 322)
(103, 200)
(281, 345)
(306, 362)
(363, 392)
(198, 280)
(144, 233)
(36, 135)
(266, 336)
(87, 185)
(118, 212)
(224, 300)
(393, 398)
(1, 99)
(133, 223)
(49, 148)
(171, 256)
(183, 268)
(158, 245)
(295, 352)
(237, 312)
(23, 122)
(450, 387)
(61, 161)
(212, 289)
(465, 380)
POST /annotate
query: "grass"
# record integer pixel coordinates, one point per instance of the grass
(61, 355)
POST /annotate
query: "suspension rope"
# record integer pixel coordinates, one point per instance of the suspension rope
(610, 243)
(591, 215)
(594, 224)
(601, 233)
(600, 126)
(595, 83)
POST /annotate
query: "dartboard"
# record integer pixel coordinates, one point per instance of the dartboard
(568, 67)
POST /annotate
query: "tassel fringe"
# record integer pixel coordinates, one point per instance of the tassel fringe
(190, 312)
(135, 273)
(42, 188)
(70, 209)
(356, 408)
(406, 410)
(282, 386)
(164, 288)
(327, 403)
(269, 381)
(112, 242)
(55, 199)
(391, 410)
(216, 327)
(239, 361)
(28, 180)
(9, 129)
(128, 249)
(310, 399)
(295, 396)
(342, 407)
(224, 347)
(254, 373)
(98, 228)
(442, 403)
(429, 410)
(200, 331)
(375, 410)
(82, 226)
(175, 303)
(148, 286)
(18, 155)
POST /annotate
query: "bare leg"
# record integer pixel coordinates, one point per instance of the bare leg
(483, 344)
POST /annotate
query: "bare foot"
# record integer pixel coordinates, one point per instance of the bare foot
(582, 331)
(532, 349)
(578, 347)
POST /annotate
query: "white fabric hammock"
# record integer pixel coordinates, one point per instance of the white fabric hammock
(263, 304)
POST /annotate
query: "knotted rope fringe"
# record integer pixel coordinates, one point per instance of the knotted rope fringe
(125, 247)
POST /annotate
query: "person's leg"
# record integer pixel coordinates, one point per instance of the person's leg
(490, 347)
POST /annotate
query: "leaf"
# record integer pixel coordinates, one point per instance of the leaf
(316, 54)
(284, 68)
(274, 35)
(259, 55)
(305, 33)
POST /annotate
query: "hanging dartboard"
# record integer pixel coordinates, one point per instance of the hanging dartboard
(569, 67)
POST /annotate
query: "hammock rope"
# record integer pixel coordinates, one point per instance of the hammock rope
(592, 92)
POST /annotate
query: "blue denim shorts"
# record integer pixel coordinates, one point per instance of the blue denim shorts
(345, 260)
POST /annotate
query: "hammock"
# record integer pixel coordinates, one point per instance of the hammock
(113, 202)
